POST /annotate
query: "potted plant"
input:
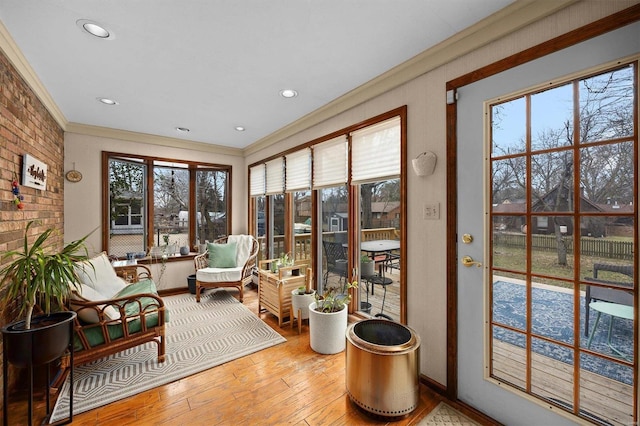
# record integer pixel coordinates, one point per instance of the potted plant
(37, 275)
(328, 319)
(302, 297)
(366, 266)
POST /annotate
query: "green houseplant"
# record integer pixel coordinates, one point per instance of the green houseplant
(328, 319)
(38, 275)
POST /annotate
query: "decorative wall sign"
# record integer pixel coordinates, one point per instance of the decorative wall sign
(34, 173)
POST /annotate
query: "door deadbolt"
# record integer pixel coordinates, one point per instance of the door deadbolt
(467, 238)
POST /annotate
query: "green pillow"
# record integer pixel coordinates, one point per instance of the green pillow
(222, 255)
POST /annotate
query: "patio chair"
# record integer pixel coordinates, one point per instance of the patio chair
(228, 262)
(608, 290)
(336, 260)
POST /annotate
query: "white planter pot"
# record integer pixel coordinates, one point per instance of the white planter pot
(302, 302)
(327, 330)
(367, 269)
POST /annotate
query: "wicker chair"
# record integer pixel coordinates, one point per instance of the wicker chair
(209, 276)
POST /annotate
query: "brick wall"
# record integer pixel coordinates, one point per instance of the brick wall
(26, 127)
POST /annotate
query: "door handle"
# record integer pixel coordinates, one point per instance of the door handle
(469, 262)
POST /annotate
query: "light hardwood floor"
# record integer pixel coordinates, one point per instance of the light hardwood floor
(285, 384)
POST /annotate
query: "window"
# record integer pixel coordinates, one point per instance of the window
(340, 191)
(186, 204)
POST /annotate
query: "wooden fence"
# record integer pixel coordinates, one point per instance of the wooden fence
(599, 247)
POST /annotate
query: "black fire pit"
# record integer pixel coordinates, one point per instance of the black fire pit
(382, 367)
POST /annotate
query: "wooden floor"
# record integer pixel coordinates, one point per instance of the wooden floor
(285, 384)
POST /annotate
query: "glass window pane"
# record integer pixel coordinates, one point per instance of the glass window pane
(606, 390)
(334, 220)
(509, 357)
(552, 118)
(171, 207)
(552, 182)
(508, 183)
(302, 230)
(211, 205)
(126, 204)
(380, 254)
(508, 128)
(276, 233)
(509, 243)
(552, 246)
(606, 176)
(606, 105)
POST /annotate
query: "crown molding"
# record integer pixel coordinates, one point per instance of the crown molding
(125, 135)
(502, 23)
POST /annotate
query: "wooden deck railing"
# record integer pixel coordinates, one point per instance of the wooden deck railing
(302, 250)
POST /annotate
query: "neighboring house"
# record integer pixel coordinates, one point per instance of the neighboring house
(594, 227)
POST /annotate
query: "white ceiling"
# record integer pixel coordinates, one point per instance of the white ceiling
(211, 65)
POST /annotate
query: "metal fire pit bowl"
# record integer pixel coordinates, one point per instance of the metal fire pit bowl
(382, 367)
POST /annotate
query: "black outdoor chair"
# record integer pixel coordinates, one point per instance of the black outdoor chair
(336, 257)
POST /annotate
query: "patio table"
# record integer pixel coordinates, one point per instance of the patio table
(613, 310)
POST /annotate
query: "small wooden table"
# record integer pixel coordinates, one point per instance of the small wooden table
(274, 289)
(613, 310)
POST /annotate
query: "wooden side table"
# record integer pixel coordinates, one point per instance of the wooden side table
(274, 289)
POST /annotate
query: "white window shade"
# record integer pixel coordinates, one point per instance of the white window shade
(330, 163)
(375, 152)
(275, 176)
(256, 180)
(298, 170)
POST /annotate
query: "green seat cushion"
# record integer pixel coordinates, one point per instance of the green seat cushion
(222, 255)
(133, 307)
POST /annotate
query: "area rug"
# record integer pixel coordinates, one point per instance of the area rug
(445, 415)
(198, 336)
(553, 318)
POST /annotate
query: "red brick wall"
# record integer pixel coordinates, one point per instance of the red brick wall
(26, 127)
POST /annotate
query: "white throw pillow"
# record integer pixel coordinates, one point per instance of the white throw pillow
(90, 315)
(102, 277)
(244, 246)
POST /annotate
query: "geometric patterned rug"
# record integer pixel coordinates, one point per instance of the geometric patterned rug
(445, 415)
(199, 336)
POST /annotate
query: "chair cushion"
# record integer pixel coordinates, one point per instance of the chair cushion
(245, 244)
(212, 275)
(90, 315)
(222, 255)
(101, 277)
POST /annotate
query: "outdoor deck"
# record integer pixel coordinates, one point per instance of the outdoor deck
(605, 399)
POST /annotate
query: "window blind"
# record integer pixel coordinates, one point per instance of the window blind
(298, 170)
(375, 151)
(330, 163)
(256, 180)
(275, 176)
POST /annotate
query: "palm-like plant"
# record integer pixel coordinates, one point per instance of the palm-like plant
(38, 274)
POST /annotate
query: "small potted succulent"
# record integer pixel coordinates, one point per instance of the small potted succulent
(328, 319)
(303, 296)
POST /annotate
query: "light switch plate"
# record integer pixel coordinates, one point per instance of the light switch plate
(431, 211)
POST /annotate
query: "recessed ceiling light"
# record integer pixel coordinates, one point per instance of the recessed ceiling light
(95, 29)
(107, 101)
(240, 128)
(288, 93)
(183, 129)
